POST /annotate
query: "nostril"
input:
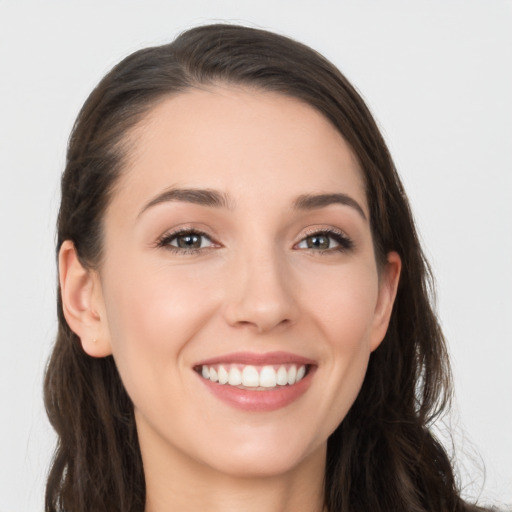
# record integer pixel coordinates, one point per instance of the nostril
(261, 303)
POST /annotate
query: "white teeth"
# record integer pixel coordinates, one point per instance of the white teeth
(223, 375)
(235, 376)
(251, 376)
(282, 376)
(268, 378)
(292, 373)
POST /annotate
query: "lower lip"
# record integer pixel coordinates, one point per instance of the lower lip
(259, 400)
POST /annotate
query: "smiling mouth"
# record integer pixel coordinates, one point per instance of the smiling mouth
(254, 377)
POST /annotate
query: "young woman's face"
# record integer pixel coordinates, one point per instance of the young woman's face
(237, 247)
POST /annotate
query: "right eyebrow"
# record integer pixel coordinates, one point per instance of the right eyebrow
(204, 197)
(317, 201)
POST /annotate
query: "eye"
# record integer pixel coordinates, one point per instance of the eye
(326, 241)
(186, 241)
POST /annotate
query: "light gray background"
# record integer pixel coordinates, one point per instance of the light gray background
(437, 75)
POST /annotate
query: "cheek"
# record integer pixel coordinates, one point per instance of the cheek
(154, 313)
(343, 305)
(343, 313)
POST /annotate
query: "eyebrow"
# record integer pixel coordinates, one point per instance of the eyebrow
(317, 201)
(203, 197)
(216, 199)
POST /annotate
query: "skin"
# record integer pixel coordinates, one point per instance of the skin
(254, 286)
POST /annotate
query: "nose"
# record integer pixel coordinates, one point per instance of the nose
(260, 292)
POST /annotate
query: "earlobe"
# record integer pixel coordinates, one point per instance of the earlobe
(388, 286)
(82, 302)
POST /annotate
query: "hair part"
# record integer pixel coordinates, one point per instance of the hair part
(97, 464)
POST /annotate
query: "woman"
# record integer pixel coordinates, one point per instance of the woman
(244, 315)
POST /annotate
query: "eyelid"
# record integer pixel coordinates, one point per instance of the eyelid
(164, 241)
(345, 243)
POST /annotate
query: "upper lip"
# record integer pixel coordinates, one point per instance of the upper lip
(252, 358)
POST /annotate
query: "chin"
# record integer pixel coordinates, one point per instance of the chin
(266, 458)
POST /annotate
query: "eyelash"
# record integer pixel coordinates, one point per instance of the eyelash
(165, 241)
(345, 244)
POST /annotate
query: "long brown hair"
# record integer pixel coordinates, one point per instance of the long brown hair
(383, 456)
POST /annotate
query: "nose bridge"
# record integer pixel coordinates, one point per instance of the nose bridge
(261, 294)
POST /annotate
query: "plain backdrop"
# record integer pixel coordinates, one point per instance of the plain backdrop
(436, 74)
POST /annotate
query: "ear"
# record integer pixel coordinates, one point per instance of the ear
(388, 285)
(82, 302)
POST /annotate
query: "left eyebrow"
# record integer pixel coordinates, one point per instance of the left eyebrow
(203, 197)
(316, 201)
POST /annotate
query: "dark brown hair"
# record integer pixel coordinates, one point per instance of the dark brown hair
(383, 456)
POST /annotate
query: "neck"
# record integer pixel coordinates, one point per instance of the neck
(179, 483)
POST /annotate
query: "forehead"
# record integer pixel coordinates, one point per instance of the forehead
(244, 142)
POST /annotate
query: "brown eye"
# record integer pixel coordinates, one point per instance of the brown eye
(319, 241)
(188, 241)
